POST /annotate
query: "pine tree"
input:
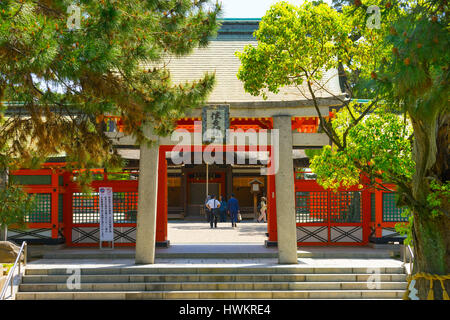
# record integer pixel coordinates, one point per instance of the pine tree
(61, 72)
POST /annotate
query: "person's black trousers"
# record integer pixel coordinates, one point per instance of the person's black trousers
(223, 216)
(213, 218)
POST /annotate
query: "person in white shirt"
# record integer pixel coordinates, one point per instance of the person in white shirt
(213, 205)
(207, 211)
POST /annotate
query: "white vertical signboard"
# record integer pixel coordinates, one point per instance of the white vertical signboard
(106, 215)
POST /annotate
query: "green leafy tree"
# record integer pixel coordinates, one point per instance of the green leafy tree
(65, 65)
(15, 205)
(401, 65)
(377, 146)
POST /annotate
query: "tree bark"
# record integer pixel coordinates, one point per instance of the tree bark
(3, 183)
(432, 251)
(431, 233)
(3, 232)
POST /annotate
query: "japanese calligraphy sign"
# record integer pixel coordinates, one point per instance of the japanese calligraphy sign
(106, 214)
(215, 123)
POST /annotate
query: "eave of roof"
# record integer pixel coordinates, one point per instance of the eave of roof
(237, 29)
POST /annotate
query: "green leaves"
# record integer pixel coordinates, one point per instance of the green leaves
(438, 197)
(379, 145)
(295, 44)
(408, 54)
(335, 169)
(406, 228)
(15, 205)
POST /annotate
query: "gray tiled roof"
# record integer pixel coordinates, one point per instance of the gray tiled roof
(219, 57)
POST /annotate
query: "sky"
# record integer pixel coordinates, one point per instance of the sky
(250, 8)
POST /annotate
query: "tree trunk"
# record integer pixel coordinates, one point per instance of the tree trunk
(3, 232)
(431, 233)
(3, 183)
(432, 251)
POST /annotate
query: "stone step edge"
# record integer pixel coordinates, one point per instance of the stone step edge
(236, 255)
(303, 279)
(199, 271)
(211, 275)
(306, 280)
(263, 294)
(340, 288)
(216, 282)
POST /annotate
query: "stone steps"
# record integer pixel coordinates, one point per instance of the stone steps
(221, 252)
(272, 294)
(279, 269)
(210, 286)
(145, 278)
(214, 282)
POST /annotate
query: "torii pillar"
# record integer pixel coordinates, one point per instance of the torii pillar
(285, 192)
(147, 201)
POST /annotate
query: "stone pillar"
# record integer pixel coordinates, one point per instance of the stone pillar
(285, 193)
(183, 203)
(147, 203)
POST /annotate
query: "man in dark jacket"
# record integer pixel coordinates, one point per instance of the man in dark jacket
(223, 208)
(233, 209)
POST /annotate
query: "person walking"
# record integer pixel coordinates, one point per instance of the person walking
(207, 211)
(263, 210)
(223, 209)
(233, 209)
(213, 205)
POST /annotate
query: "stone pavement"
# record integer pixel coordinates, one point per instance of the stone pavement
(195, 240)
(221, 251)
(193, 263)
(181, 232)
